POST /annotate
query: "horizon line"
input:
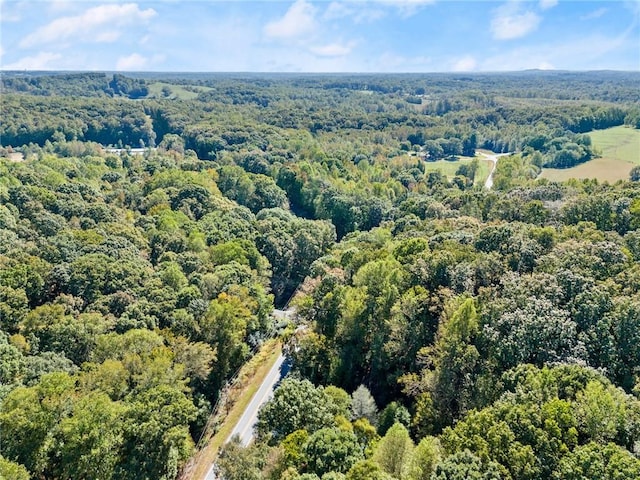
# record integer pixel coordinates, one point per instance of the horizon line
(266, 72)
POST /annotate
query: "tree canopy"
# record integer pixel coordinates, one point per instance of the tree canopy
(450, 331)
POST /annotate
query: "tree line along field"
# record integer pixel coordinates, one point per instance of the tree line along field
(619, 149)
(452, 331)
(450, 168)
(167, 89)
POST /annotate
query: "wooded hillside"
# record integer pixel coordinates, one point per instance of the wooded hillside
(453, 331)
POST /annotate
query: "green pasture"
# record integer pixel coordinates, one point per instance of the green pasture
(449, 167)
(177, 91)
(619, 149)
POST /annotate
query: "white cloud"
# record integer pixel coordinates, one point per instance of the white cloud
(10, 11)
(333, 50)
(592, 52)
(546, 4)
(338, 10)
(595, 14)
(297, 21)
(405, 3)
(360, 12)
(634, 7)
(510, 22)
(133, 62)
(101, 23)
(392, 62)
(464, 64)
(60, 5)
(546, 66)
(40, 61)
(233, 42)
(137, 63)
(108, 36)
(406, 8)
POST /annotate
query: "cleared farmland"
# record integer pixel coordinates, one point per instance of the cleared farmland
(449, 168)
(176, 91)
(619, 148)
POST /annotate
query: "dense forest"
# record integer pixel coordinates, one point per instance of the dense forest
(452, 331)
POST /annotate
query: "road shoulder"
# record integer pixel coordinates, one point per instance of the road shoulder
(250, 379)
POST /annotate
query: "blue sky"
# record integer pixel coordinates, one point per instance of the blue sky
(319, 36)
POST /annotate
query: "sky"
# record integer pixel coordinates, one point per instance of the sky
(319, 36)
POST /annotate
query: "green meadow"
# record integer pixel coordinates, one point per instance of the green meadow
(449, 168)
(619, 149)
(176, 91)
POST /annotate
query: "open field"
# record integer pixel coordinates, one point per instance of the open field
(449, 168)
(622, 143)
(177, 91)
(620, 150)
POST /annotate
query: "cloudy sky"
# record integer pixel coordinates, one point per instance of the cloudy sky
(319, 36)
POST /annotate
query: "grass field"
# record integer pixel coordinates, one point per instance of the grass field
(449, 168)
(620, 151)
(251, 377)
(177, 91)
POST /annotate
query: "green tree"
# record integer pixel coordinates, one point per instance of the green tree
(329, 449)
(466, 466)
(455, 359)
(171, 141)
(292, 445)
(602, 412)
(595, 460)
(12, 471)
(394, 452)
(366, 434)
(537, 333)
(236, 462)
(224, 327)
(295, 405)
(426, 456)
(393, 413)
(156, 440)
(489, 437)
(13, 307)
(90, 438)
(340, 399)
(367, 470)
(625, 324)
(12, 362)
(30, 418)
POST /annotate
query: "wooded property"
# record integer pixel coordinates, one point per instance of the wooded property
(451, 330)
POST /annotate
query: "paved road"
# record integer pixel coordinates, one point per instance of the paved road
(244, 427)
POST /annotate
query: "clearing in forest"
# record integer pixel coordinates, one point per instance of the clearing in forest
(449, 168)
(620, 151)
(176, 91)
